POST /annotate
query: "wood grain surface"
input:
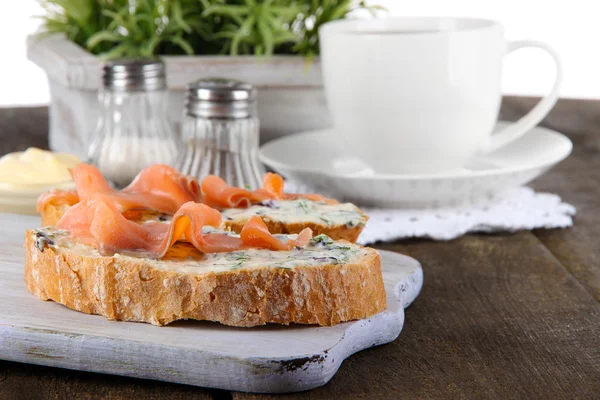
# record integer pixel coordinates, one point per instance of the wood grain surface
(503, 316)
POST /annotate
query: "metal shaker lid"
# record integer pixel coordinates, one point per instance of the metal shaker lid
(221, 98)
(134, 75)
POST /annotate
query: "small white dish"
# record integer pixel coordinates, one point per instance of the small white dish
(309, 157)
(23, 199)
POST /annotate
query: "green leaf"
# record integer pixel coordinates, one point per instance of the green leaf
(103, 36)
(286, 13)
(267, 37)
(177, 17)
(231, 11)
(78, 10)
(131, 27)
(121, 50)
(184, 44)
(117, 18)
(150, 46)
(241, 33)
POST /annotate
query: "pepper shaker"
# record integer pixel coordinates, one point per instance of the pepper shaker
(220, 132)
(133, 131)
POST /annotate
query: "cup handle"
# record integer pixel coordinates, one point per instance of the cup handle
(541, 109)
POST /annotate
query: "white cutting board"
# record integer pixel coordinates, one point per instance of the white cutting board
(271, 359)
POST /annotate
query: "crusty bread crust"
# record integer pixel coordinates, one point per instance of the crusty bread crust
(133, 290)
(52, 212)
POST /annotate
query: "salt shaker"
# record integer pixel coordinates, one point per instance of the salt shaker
(220, 132)
(133, 131)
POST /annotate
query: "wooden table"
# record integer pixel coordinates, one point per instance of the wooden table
(500, 316)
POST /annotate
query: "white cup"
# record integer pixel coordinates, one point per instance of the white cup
(420, 95)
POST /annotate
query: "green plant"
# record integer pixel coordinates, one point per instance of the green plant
(317, 13)
(118, 28)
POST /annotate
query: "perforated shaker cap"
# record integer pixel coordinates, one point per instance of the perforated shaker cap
(134, 75)
(221, 98)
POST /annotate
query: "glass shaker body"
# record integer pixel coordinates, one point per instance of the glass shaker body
(224, 147)
(220, 133)
(133, 132)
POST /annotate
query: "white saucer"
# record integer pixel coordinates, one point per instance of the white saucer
(308, 157)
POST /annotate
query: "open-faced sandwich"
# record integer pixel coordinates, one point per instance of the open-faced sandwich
(168, 247)
(159, 191)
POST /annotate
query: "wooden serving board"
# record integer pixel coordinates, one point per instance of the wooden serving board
(271, 359)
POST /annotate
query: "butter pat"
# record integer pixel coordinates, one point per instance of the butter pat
(35, 167)
(24, 176)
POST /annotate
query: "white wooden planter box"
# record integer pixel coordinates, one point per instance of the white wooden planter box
(291, 97)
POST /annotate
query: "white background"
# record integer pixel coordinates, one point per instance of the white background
(571, 27)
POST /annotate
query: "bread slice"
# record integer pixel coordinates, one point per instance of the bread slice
(52, 212)
(339, 221)
(325, 283)
(342, 221)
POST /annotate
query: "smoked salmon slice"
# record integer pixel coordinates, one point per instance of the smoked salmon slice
(99, 223)
(255, 233)
(164, 185)
(309, 196)
(162, 188)
(57, 196)
(158, 187)
(217, 193)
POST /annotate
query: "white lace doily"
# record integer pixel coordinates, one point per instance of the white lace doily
(517, 209)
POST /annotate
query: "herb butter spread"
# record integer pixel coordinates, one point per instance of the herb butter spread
(300, 211)
(183, 257)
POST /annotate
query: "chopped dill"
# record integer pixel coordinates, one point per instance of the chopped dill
(305, 207)
(327, 221)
